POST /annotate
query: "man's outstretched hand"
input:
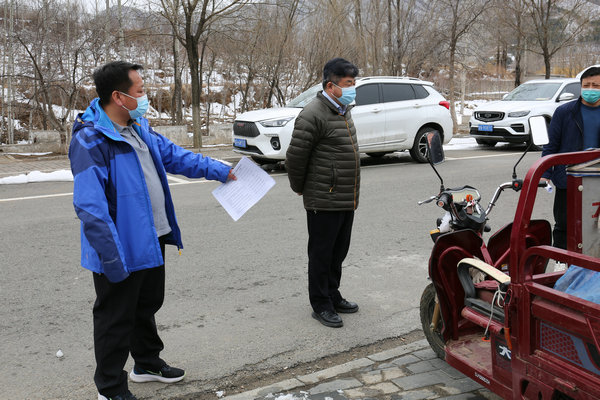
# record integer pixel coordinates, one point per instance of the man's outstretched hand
(231, 176)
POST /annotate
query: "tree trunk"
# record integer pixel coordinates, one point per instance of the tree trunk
(518, 72)
(249, 81)
(547, 64)
(519, 51)
(196, 82)
(452, 87)
(176, 111)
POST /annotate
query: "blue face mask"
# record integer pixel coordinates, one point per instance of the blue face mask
(348, 94)
(142, 106)
(590, 95)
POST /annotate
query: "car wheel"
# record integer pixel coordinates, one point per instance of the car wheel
(488, 143)
(378, 154)
(419, 150)
(432, 333)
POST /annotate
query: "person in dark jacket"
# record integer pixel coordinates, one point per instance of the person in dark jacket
(122, 198)
(575, 126)
(323, 166)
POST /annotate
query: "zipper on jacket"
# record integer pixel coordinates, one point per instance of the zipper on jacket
(356, 161)
(333, 177)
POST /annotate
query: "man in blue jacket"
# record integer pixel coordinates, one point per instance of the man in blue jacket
(122, 198)
(575, 126)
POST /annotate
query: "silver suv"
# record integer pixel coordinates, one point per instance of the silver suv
(506, 120)
(390, 114)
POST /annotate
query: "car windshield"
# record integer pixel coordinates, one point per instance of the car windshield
(533, 92)
(305, 97)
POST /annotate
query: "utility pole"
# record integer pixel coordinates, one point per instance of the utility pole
(121, 34)
(106, 31)
(11, 71)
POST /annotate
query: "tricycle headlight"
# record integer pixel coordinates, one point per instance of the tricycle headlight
(518, 114)
(276, 122)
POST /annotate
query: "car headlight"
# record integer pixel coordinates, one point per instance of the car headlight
(276, 122)
(518, 114)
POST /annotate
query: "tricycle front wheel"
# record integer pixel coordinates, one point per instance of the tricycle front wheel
(432, 326)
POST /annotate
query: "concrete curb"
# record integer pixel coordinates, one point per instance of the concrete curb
(320, 377)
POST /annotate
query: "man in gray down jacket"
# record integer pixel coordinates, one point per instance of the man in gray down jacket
(323, 166)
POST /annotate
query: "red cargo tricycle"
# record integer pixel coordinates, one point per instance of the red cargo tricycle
(509, 329)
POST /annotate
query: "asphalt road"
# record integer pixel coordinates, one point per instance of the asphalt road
(237, 296)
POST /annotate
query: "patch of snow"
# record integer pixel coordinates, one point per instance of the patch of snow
(28, 154)
(461, 144)
(63, 175)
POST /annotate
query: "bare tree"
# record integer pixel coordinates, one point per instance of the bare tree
(190, 20)
(290, 8)
(54, 70)
(460, 16)
(557, 24)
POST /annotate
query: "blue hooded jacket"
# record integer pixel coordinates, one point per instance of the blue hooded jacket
(110, 196)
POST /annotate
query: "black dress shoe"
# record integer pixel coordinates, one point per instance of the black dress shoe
(328, 318)
(346, 307)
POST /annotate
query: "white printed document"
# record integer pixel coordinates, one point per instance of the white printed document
(240, 195)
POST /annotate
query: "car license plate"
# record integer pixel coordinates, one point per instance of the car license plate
(485, 128)
(240, 143)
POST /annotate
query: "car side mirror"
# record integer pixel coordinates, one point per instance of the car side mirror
(435, 150)
(566, 97)
(538, 127)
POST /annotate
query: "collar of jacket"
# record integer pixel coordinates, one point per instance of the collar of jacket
(333, 108)
(96, 115)
(576, 110)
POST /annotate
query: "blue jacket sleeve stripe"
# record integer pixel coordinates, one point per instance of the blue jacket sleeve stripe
(99, 234)
(90, 177)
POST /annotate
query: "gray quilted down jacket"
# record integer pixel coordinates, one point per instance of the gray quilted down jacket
(322, 161)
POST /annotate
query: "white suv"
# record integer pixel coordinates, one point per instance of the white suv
(390, 114)
(506, 120)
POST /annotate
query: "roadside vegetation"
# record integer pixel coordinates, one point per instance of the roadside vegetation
(208, 60)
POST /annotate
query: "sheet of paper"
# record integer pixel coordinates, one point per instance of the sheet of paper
(240, 195)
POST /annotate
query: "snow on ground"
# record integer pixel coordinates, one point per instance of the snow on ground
(461, 143)
(27, 154)
(63, 175)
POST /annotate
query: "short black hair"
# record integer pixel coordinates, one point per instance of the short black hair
(113, 76)
(338, 68)
(591, 71)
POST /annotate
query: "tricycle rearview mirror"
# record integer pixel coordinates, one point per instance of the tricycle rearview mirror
(539, 130)
(435, 150)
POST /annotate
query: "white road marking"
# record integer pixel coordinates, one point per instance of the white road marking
(44, 196)
(177, 181)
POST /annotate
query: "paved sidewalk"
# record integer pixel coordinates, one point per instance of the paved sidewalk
(408, 372)
(14, 164)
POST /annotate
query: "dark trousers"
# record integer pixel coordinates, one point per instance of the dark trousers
(559, 233)
(328, 243)
(124, 323)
